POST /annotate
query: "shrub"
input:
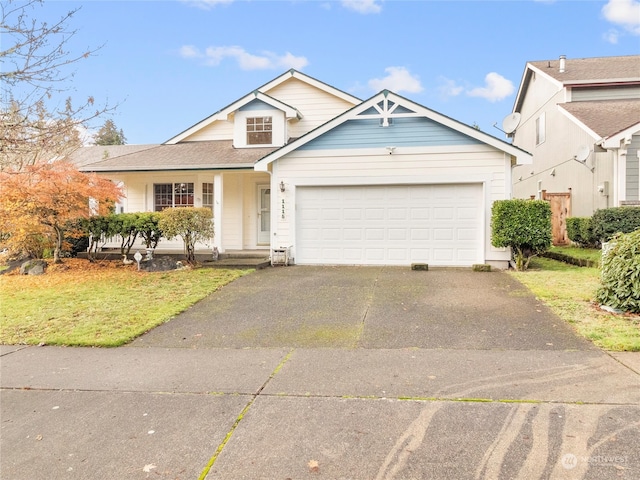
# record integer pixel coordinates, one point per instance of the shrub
(620, 278)
(97, 228)
(523, 225)
(149, 229)
(609, 221)
(193, 225)
(125, 225)
(580, 231)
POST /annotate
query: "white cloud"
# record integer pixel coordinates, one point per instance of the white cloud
(206, 4)
(611, 36)
(212, 56)
(363, 6)
(496, 88)
(625, 13)
(398, 79)
(449, 88)
(189, 51)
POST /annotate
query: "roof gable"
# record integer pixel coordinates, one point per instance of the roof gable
(383, 110)
(596, 71)
(262, 94)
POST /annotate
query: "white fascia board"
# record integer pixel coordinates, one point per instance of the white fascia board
(584, 127)
(223, 114)
(521, 156)
(614, 141)
(529, 71)
(311, 81)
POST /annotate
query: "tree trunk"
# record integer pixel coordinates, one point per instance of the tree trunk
(58, 248)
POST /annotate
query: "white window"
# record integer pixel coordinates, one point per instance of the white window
(259, 131)
(207, 195)
(540, 130)
(168, 195)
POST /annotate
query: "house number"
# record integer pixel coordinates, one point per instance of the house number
(283, 208)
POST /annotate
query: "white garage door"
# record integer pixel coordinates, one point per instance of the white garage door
(389, 225)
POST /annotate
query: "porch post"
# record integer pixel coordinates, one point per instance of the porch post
(218, 194)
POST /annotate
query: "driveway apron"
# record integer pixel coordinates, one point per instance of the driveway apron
(368, 307)
(330, 372)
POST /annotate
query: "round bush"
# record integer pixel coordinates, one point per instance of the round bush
(620, 281)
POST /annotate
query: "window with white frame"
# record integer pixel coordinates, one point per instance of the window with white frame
(540, 129)
(169, 195)
(259, 130)
(207, 195)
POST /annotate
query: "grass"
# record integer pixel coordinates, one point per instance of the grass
(106, 304)
(569, 291)
(592, 254)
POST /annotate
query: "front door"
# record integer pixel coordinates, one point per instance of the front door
(264, 214)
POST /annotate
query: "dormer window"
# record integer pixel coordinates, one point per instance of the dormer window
(259, 130)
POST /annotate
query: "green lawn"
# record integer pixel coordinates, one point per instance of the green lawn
(593, 254)
(569, 291)
(98, 307)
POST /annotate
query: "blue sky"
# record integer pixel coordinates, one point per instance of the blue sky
(170, 64)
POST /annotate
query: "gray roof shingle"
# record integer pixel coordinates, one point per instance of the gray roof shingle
(596, 69)
(206, 155)
(606, 117)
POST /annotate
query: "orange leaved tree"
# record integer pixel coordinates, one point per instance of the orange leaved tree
(49, 196)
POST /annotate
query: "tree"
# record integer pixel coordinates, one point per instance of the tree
(193, 225)
(47, 197)
(523, 225)
(110, 135)
(37, 124)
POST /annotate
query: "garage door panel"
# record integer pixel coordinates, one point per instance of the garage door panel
(420, 234)
(374, 234)
(467, 234)
(420, 213)
(441, 213)
(397, 234)
(352, 214)
(389, 225)
(374, 255)
(466, 213)
(397, 213)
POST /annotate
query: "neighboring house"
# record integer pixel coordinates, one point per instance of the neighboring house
(580, 119)
(302, 168)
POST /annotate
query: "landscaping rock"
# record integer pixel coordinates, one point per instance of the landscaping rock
(160, 264)
(33, 267)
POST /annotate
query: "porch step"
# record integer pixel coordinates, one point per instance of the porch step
(238, 262)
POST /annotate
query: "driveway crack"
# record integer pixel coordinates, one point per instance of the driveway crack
(239, 418)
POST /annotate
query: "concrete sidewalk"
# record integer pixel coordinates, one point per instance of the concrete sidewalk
(187, 402)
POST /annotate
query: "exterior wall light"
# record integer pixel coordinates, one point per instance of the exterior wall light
(282, 186)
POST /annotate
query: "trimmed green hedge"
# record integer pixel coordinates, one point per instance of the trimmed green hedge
(609, 221)
(620, 281)
(523, 225)
(580, 231)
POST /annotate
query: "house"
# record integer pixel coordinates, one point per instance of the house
(301, 169)
(580, 119)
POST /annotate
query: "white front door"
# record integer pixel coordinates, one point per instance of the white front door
(264, 214)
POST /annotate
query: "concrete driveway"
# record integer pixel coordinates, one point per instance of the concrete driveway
(337, 373)
(369, 307)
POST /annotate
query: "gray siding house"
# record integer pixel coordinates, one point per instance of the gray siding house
(580, 119)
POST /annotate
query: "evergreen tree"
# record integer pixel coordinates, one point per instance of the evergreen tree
(110, 135)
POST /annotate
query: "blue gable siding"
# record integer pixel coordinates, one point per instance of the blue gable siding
(403, 132)
(256, 105)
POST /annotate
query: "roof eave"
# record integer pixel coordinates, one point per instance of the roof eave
(623, 137)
